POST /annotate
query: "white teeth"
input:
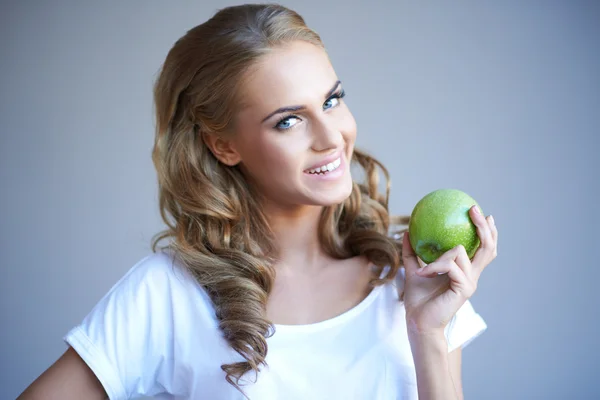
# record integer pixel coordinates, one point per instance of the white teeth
(329, 167)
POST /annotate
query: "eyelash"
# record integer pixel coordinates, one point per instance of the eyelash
(339, 95)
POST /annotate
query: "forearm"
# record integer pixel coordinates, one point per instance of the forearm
(434, 381)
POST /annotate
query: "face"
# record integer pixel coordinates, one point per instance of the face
(294, 134)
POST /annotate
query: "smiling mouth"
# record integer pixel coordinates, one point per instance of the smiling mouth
(324, 169)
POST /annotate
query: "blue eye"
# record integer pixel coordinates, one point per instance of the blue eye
(334, 100)
(331, 103)
(289, 121)
(286, 123)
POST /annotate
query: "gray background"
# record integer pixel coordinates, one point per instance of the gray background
(499, 99)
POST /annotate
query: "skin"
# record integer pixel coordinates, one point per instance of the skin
(300, 74)
(275, 160)
(433, 294)
(69, 378)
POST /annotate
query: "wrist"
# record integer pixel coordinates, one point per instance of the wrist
(432, 365)
(417, 332)
(433, 340)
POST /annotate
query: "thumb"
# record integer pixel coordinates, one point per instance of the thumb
(409, 258)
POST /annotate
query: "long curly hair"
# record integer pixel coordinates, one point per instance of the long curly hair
(216, 227)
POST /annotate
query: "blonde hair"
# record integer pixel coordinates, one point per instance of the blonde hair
(216, 226)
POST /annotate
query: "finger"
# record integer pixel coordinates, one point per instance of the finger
(485, 252)
(409, 257)
(459, 282)
(483, 228)
(459, 255)
(439, 267)
(494, 230)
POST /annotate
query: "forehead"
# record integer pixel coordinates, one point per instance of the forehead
(294, 74)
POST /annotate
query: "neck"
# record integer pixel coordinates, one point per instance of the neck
(296, 238)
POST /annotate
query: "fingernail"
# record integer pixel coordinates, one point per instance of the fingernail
(477, 210)
(492, 220)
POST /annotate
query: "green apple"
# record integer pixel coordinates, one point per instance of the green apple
(440, 221)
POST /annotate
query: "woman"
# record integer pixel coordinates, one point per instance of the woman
(279, 279)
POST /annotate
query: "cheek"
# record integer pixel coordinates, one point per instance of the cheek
(348, 126)
(274, 159)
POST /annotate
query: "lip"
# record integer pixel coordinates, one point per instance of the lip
(326, 160)
(330, 176)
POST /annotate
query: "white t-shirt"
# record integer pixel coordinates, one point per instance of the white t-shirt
(155, 334)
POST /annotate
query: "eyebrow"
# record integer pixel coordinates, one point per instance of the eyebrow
(298, 108)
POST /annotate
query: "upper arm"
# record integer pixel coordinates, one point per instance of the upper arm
(68, 378)
(455, 365)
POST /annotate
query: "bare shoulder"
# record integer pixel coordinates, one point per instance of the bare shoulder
(68, 378)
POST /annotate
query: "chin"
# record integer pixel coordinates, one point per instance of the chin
(333, 197)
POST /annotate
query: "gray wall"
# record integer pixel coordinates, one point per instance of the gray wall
(499, 99)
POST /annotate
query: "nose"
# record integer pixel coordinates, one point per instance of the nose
(326, 136)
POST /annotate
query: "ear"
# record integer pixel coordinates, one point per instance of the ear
(222, 148)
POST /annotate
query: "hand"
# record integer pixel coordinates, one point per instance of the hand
(434, 293)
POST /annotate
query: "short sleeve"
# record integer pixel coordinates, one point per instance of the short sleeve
(124, 339)
(465, 326)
